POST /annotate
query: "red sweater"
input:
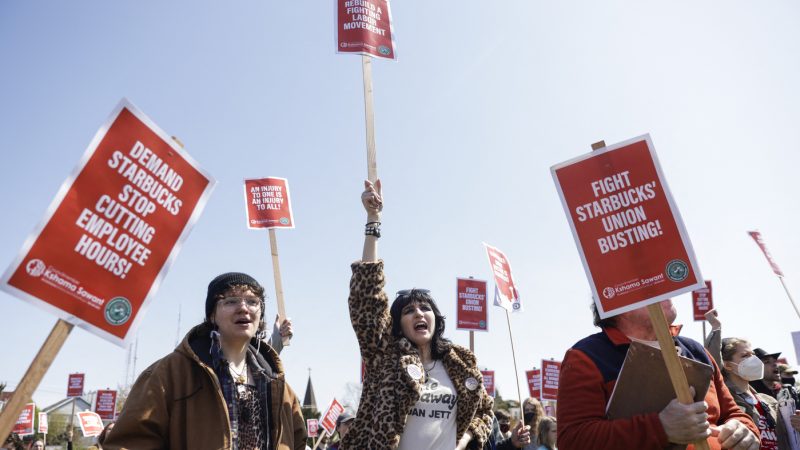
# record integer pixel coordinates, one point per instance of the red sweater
(584, 392)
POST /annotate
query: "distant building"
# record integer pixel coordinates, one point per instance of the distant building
(310, 401)
(63, 408)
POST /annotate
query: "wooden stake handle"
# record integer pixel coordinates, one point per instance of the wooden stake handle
(276, 271)
(369, 116)
(671, 359)
(472, 341)
(32, 378)
(514, 355)
(321, 435)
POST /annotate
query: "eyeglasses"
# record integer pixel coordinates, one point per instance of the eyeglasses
(252, 303)
(411, 292)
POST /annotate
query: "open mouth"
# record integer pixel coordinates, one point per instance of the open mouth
(243, 321)
(421, 326)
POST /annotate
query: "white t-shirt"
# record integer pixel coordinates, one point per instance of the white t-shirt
(431, 424)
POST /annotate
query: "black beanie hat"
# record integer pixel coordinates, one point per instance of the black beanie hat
(223, 282)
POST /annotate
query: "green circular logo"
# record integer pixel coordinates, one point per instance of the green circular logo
(118, 311)
(482, 324)
(384, 50)
(284, 221)
(677, 270)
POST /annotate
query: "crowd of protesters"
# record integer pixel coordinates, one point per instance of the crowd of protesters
(224, 386)
(762, 388)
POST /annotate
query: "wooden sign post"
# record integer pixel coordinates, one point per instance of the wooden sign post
(370, 36)
(33, 376)
(319, 440)
(369, 116)
(472, 341)
(514, 357)
(276, 271)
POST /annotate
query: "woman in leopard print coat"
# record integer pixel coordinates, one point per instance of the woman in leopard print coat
(402, 387)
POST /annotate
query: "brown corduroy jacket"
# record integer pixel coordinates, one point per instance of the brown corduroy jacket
(177, 403)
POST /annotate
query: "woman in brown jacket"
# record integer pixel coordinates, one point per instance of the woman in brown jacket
(222, 388)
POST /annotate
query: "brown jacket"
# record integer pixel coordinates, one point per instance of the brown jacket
(177, 403)
(389, 391)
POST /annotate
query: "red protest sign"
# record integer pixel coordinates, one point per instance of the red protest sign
(471, 311)
(91, 423)
(629, 233)
(702, 301)
(763, 246)
(42, 423)
(114, 228)
(488, 381)
(505, 292)
(364, 27)
(268, 205)
(312, 425)
(75, 384)
(534, 378)
(328, 420)
(24, 425)
(550, 372)
(106, 404)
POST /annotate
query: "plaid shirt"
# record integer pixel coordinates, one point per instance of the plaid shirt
(261, 379)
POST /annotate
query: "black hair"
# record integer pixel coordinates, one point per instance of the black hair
(439, 344)
(608, 322)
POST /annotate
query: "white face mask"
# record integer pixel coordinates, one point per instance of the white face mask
(750, 368)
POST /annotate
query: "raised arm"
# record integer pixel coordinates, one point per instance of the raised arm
(369, 306)
(372, 200)
(713, 341)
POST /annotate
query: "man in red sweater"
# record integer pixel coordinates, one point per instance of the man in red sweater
(590, 370)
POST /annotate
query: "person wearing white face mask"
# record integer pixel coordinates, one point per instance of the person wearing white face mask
(740, 366)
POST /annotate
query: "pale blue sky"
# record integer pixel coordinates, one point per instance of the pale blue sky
(483, 100)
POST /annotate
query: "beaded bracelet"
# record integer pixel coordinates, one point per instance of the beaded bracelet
(373, 229)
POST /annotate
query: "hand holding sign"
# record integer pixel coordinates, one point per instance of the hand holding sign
(372, 198)
(521, 435)
(283, 327)
(683, 423)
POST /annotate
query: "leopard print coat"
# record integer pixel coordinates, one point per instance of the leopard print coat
(389, 392)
